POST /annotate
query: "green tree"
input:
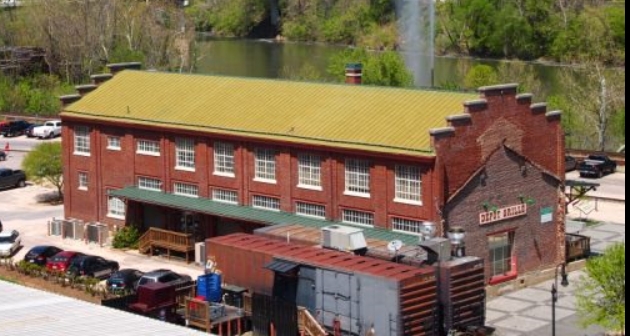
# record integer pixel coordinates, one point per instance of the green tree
(43, 164)
(601, 294)
(379, 68)
(480, 75)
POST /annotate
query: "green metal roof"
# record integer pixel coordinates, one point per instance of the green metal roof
(371, 118)
(266, 217)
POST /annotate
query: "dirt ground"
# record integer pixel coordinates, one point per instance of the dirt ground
(39, 283)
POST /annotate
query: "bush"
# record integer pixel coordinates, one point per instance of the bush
(127, 237)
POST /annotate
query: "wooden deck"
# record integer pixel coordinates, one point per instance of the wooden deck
(170, 241)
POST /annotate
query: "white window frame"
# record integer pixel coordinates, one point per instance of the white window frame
(148, 147)
(223, 159)
(407, 225)
(310, 210)
(149, 183)
(265, 165)
(113, 142)
(357, 217)
(408, 184)
(82, 140)
(83, 180)
(225, 196)
(309, 171)
(115, 207)
(357, 177)
(500, 250)
(266, 202)
(185, 154)
(185, 189)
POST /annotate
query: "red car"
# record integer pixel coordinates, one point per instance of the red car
(61, 261)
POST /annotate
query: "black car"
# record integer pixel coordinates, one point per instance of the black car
(123, 280)
(3, 155)
(92, 266)
(40, 254)
(570, 163)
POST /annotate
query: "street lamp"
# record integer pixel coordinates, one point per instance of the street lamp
(554, 294)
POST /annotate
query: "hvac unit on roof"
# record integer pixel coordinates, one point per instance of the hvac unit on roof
(343, 238)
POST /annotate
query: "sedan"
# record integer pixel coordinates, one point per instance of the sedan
(3, 155)
(123, 280)
(61, 261)
(10, 241)
(39, 254)
(165, 276)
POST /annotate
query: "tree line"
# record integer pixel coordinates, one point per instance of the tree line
(81, 37)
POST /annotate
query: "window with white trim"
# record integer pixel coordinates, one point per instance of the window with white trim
(148, 147)
(185, 189)
(266, 202)
(357, 177)
(500, 247)
(115, 207)
(408, 184)
(83, 181)
(407, 225)
(224, 159)
(113, 142)
(149, 183)
(309, 171)
(310, 210)
(265, 165)
(226, 196)
(185, 153)
(82, 140)
(357, 217)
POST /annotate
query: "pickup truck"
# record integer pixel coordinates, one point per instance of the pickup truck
(596, 165)
(14, 128)
(10, 178)
(49, 129)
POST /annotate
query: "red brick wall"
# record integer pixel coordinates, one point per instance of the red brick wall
(117, 169)
(503, 119)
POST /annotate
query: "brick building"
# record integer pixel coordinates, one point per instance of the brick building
(211, 155)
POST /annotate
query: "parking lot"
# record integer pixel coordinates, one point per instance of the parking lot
(21, 210)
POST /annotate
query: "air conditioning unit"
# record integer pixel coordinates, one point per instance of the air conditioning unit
(343, 238)
(200, 253)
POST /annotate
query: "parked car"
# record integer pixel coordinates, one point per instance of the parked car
(596, 165)
(3, 155)
(123, 280)
(39, 254)
(570, 163)
(92, 266)
(49, 129)
(61, 261)
(10, 241)
(14, 128)
(12, 178)
(165, 276)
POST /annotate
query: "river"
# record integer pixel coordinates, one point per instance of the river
(271, 59)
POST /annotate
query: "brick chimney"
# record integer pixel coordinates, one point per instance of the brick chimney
(353, 73)
(114, 68)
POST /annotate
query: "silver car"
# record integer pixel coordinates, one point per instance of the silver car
(10, 241)
(163, 276)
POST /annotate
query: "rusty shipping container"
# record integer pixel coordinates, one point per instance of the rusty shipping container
(340, 289)
(462, 293)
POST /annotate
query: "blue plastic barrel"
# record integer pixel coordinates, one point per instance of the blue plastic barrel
(209, 287)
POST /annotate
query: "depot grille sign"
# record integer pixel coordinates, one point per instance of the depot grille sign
(502, 213)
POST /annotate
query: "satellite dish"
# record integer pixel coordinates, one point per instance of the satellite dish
(394, 245)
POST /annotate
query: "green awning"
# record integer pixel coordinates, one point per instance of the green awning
(246, 213)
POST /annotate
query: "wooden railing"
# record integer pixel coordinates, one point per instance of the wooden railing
(308, 324)
(168, 240)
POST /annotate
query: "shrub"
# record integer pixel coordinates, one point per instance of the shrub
(127, 237)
